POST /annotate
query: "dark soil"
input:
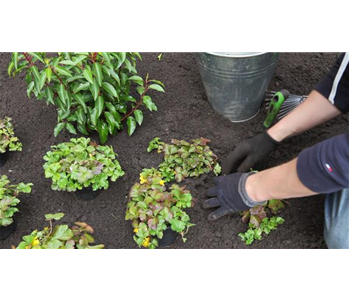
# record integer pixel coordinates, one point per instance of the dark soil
(184, 113)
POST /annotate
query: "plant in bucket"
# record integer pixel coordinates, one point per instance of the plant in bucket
(157, 213)
(81, 166)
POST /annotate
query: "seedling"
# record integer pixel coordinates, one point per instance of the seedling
(8, 140)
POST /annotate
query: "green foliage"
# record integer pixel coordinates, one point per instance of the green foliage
(256, 217)
(182, 159)
(9, 200)
(61, 236)
(7, 137)
(91, 90)
(81, 163)
(153, 208)
(256, 233)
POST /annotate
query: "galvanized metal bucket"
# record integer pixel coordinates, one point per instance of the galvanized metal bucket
(235, 82)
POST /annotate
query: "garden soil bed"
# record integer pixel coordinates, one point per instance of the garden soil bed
(183, 113)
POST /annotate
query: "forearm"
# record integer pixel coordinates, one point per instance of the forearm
(312, 112)
(280, 182)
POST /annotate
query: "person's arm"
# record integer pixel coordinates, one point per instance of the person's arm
(315, 110)
(323, 168)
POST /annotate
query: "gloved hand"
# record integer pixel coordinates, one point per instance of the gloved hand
(229, 195)
(248, 153)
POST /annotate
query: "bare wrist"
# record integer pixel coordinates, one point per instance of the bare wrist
(253, 190)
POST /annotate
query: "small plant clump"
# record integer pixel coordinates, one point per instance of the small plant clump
(8, 140)
(152, 209)
(258, 221)
(81, 163)
(256, 233)
(60, 236)
(183, 160)
(9, 200)
(91, 90)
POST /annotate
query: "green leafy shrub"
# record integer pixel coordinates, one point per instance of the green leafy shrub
(182, 159)
(7, 137)
(256, 233)
(9, 200)
(60, 236)
(152, 209)
(81, 163)
(91, 90)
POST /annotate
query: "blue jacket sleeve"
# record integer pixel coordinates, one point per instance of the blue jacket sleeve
(324, 168)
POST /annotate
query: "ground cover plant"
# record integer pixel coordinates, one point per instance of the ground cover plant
(183, 159)
(153, 208)
(8, 140)
(9, 199)
(93, 91)
(81, 163)
(60, 236)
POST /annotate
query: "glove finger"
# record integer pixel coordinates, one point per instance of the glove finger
(211, 203)
(246, 165)
(232, 162)
(212, 192)
(217, 214)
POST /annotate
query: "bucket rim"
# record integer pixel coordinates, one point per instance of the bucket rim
(252, 54)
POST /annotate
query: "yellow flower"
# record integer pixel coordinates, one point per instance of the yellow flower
(36, 242)
(135, 230)
(174, 172)
(142, 179)
(162, 182)
(146, 242)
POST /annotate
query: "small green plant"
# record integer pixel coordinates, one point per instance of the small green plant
(81, 163)
(91, 90)
(256, 233)
(152, 209)
(256, 216)
(9, 200)
(60, 236)
(182, 159)
(8, 140)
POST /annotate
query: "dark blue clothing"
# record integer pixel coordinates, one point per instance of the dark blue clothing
(324, 168)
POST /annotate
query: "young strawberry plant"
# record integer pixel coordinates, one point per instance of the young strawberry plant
(81, 163)
(60, 236)
(182, 159)
(8, 140)
(93, 91)
(153, 208)
(9, 199)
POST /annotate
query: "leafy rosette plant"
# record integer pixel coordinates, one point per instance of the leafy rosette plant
(8, 140)
(81, 163)
(9, 199)
(152, 209)
(183, 159)
(60, 236)
(93, 91)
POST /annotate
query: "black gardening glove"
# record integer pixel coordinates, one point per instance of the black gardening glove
(248, 153)
(229, 196)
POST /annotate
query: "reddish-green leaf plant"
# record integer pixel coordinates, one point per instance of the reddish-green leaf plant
(91, 90)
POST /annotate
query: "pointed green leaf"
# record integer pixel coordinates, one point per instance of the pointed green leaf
(102, 129)
(71, 128)
(88, 75)
(48, 74)
(156, 87)
(42, 80)
(109, 89)
(94, 88)
(94, 116)
(99, 106)
(49, 95)
(148, 102)
(139, 116)
(97, 70)
(30, 88)
(59, 127)
(62, 71)
(131, 125)
(61, 93)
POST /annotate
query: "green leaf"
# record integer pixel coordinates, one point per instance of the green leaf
(62, 71)
(99, 106)
(110, 119)
(56, 217)
(113, 111)
(15, 60)
(59, 127)
(102, 129)
(71, 128)
(82, 87)
(109, 89)
(139, 116)
(131, 125)
(37, 56)
(82, 129)
(88, 75)
(94, 116)
(94, 89)
(35, 71)
(42, 80)
(49, 95)
(97, 70)
(148, 102)
(30, 88)
(61, 93)
(156, 87)
(10, 68)
(62, 232)
(80, 99)
(48, 74)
